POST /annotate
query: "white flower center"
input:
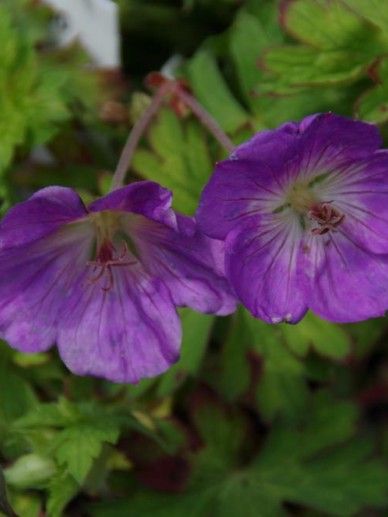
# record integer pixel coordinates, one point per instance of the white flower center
(301, 198)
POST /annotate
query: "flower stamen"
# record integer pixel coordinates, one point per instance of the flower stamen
(106, 259)
(326, 217)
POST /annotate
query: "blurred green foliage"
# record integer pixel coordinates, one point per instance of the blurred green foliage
(253, 420)
(38, 90)
(307, 465)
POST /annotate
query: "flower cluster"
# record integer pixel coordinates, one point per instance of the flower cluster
(295, 219)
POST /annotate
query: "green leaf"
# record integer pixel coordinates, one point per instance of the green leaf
(84, 429)
(137, 390)
(319, 463)
(53, 414)
(172, 437)
(234, 377)
(327, 338)
(25, 360)
(179, 159)
(271, 110)
(17, 78)
(222, 429)
(196, 329)
(373, 104)
(152, 503)
(301, 66)
(338, 46)
(254, 30)
(16, 394)
(62, 489)
(327, 25)
(27, 505)
(212, 91)
(48, 110)
(35, 95)
(282, 386)
(342, 483)
(328, 423)
(308, 465)
(324, 466)
(5, 507)
(366, 335)
(248, 38)
(78, 446)
(375, 11)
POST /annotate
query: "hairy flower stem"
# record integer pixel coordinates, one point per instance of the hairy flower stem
(207, 120)
(141, 125)
(136, 134)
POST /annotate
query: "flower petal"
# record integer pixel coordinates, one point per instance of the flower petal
(34, 280)
(189, 263)
(272, 147)
(40, 215)
(125, 333)
(312, 143)
(353, 284)
(329, 131)
(327, 151)
(263, 266)
(237, 191)
(361, 193)
(143, 197)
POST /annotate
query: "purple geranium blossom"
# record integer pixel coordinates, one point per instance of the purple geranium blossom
(304, 213)
(103, 282)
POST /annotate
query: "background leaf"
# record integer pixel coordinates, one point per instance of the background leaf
(178, 157)
(212, 91)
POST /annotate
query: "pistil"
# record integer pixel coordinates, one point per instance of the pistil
(301, 198)
(107, 227)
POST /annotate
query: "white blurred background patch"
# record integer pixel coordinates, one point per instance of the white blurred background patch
(94, 23)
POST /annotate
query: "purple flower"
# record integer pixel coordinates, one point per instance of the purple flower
(304, 213)
(103, 282)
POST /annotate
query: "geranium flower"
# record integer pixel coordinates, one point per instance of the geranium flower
(103, 282)
(304, 212)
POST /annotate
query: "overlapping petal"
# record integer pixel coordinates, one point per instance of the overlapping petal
(143, 197)
(189, 264)
(273, 147)
(238, 190)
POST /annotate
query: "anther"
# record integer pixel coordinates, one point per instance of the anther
(326, 217)
(105, 260)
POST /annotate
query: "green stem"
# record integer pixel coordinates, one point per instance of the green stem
(141, 125)
(136, 134)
